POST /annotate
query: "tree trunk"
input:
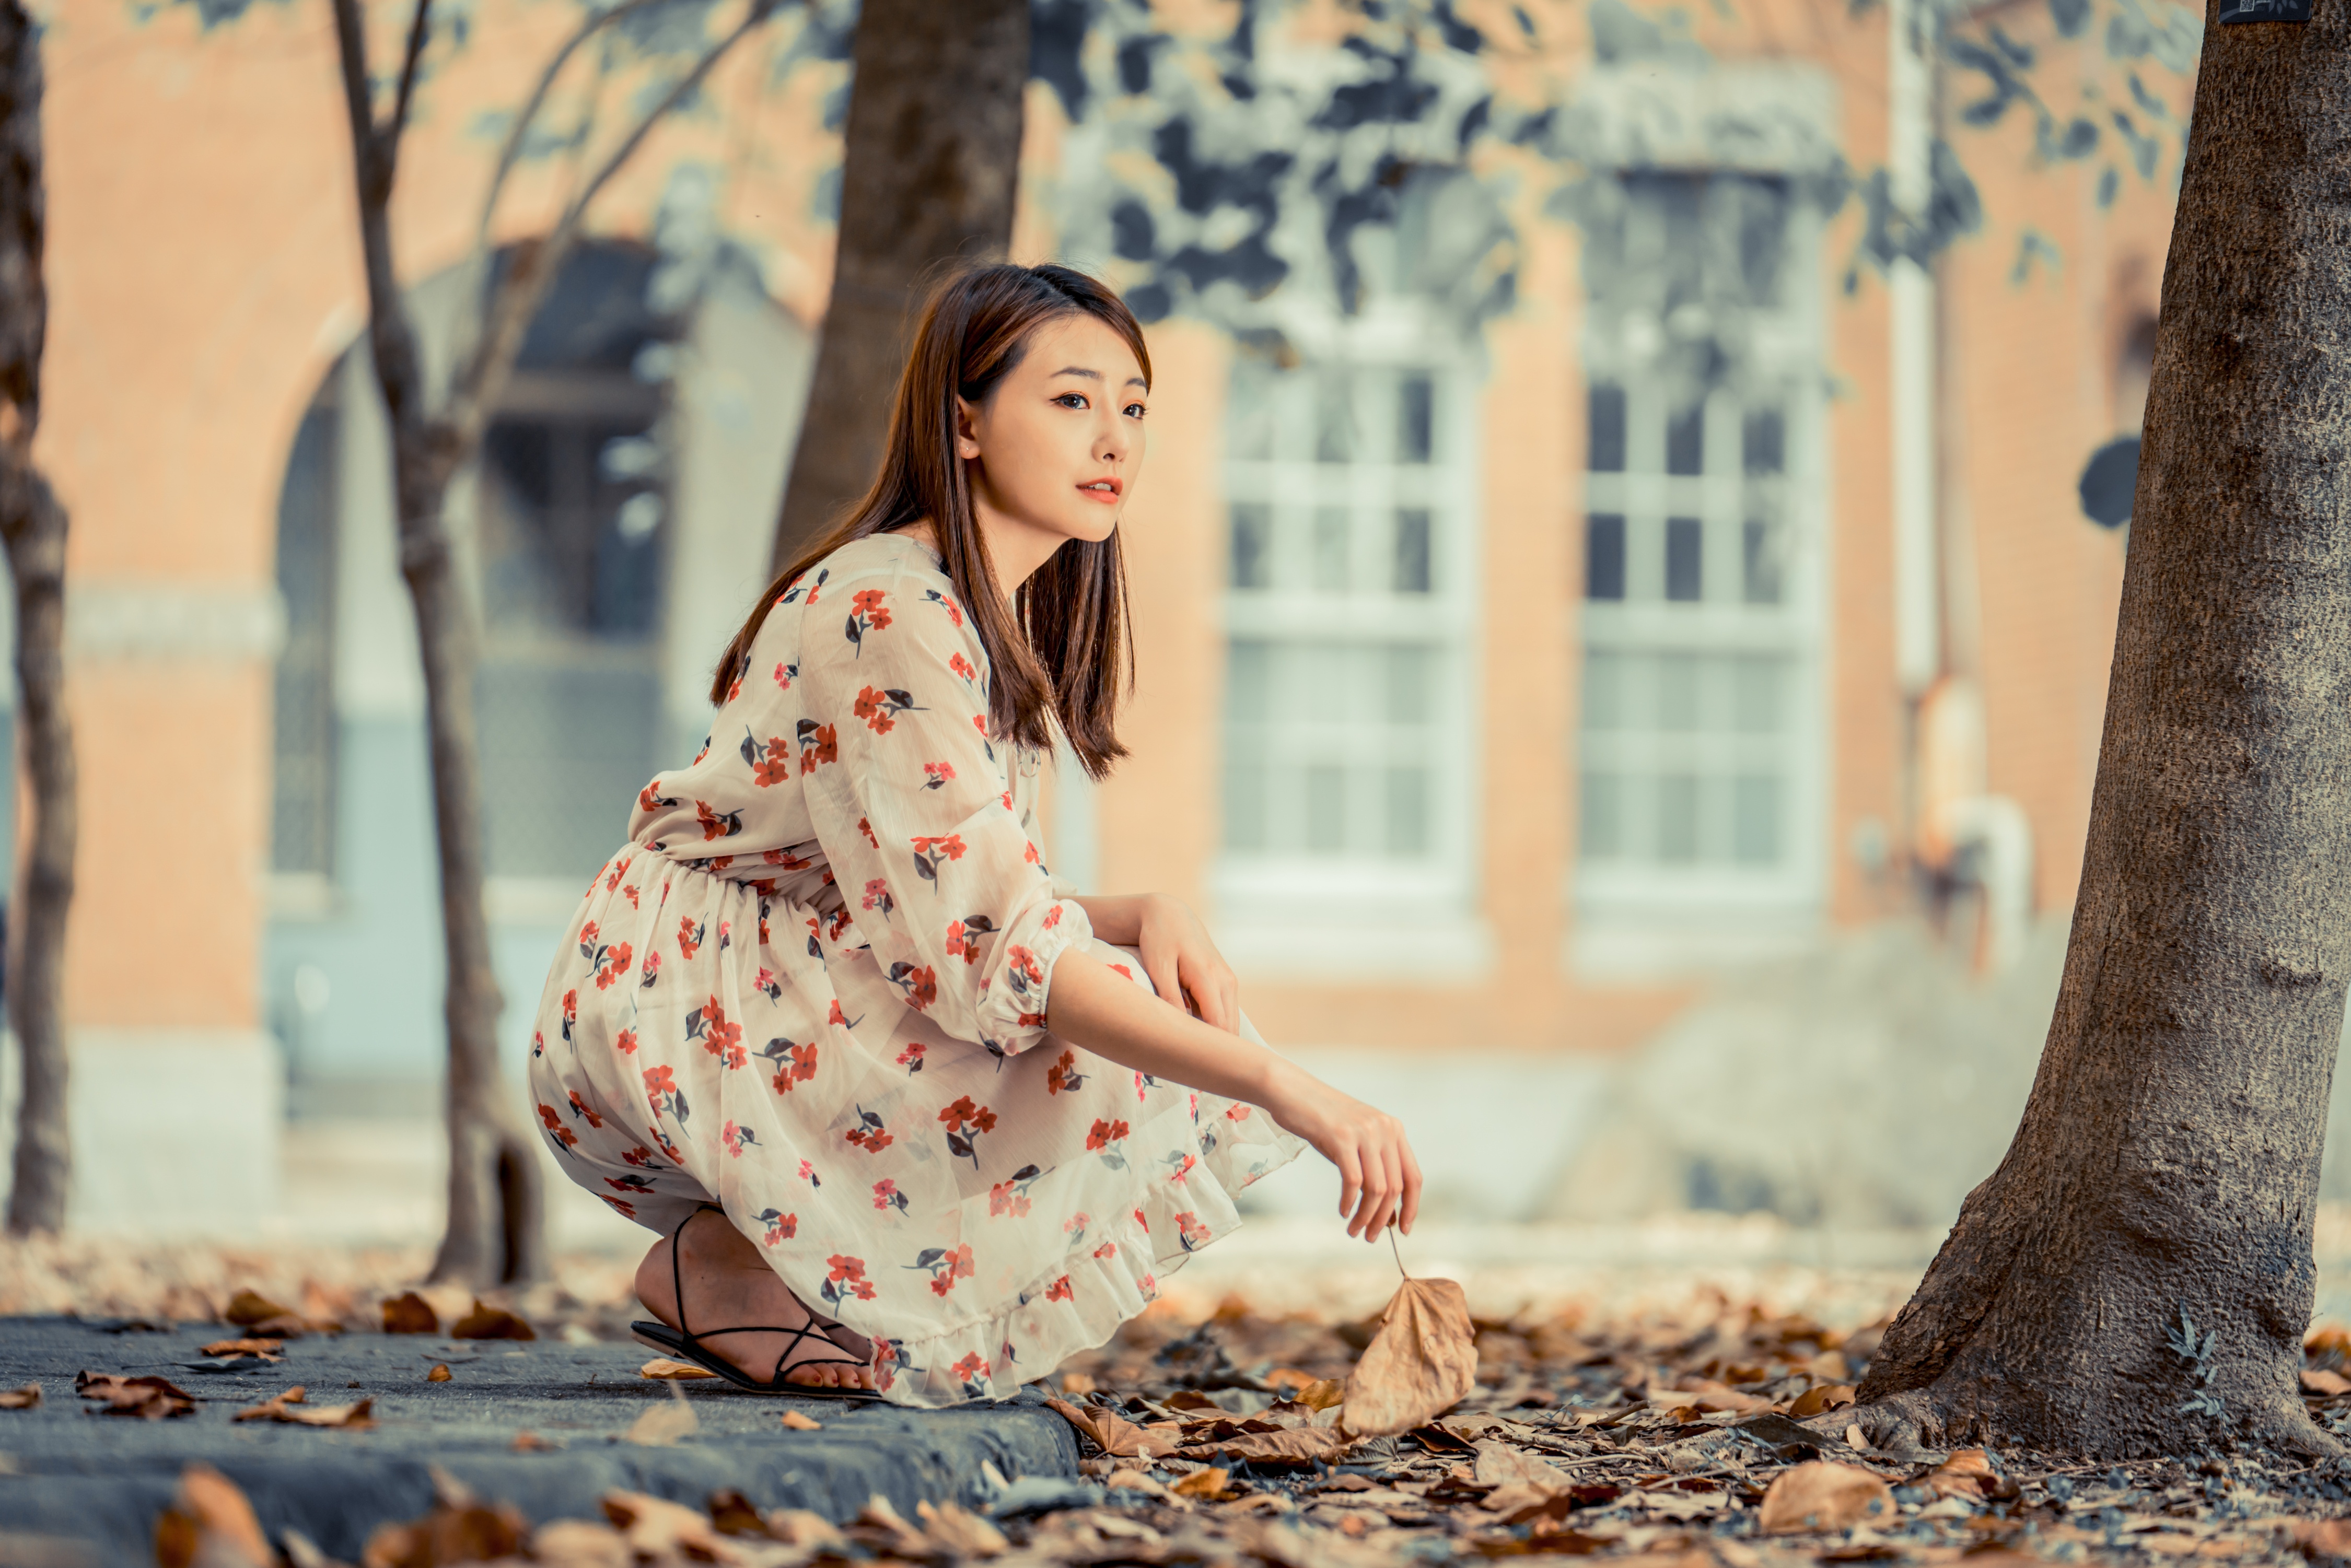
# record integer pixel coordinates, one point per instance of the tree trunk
(930, 167)
(2136, 1276)
(33, 526)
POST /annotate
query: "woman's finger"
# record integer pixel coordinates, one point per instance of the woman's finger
(1165, 978)
(1392, 1190)
(1351, 1177)
(1375, 1195)
(1215, 997)
(1411, 1191)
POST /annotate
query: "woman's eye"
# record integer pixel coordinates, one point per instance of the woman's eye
(1134, 410)
(1071, 400)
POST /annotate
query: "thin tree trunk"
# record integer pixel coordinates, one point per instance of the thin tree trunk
(33, 526)
(2136, 1276)
(930, 168)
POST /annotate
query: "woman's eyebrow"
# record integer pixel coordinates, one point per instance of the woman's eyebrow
(1097, 375)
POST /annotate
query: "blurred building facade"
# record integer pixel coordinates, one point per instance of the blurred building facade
(1498, 682)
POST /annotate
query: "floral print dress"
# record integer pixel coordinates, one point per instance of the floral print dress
(811, 989)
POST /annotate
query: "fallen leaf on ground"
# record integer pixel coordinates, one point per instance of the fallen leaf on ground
(1112, 1434)
(269, 1348)
(247, 1308)
(440, 1372)
(211, 1525)
(666, 1424)
(1296, 1443)
(658, 1530)
(1209, 1485)
(663, 1367)
(1500, 1465)
(1824, 1495)
(1422, 1363)
(2321, 1537)
(800, 1423)
(460, 1529)
(1828, 1396)
(882, 1525)
(1705, 1394)
(531, 1443)
(580, 1544)
(1137, 1480)
(150, 1398)
(409, 1312)
(960, 1532)
(491, 1323)
(1967, 1474)
(288, 1408)
(804, 1527)
(2317, 1380)
(26, 1398)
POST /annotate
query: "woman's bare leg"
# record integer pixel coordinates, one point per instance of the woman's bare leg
(727, 1282)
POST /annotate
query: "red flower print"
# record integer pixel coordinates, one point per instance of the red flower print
(1058, 1290)
(663, 1095)
(571, 1012)
(887, 1195)
(1190, 1231)
(870, 1133)
(911, 1058)
(662, 1080)
(846, 1279)
(1105, 1133)
(866, 828)
(781, 1226)
(612, 963)
(1237, 1113)
(962, 666)
(920, 984)
(946, 1266)
(879, 707)
(649, 971)
(625, 1042)
(1022, 969)
(784, 673)
(626, 1210)
(770, 765)
(767, 985)
(579, 1108)
(689, 937)
(1075, 1225)
(935, 775)
(1107, 1250)
(954, 612)
(1122, 970)
(866, 614)
(1012, 1196)
(1064, 1074)
(794, 1063)
(629, 1184)
(971, 1371)
(1180, 1165)
(1032, 1020)
(708, 1023)
(735, 1138)
(965, 1122)
(1052, 918)
(630, 892)
(1142, 1222)
(716, 825)
(784, 858)
(538, 1044)
(1028, 853)
(734, 689)
(649, 800)
(808, 1174)
(556, 1129)
(819, 744)
(835, 1017)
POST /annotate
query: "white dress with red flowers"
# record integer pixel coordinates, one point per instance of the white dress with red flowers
(811, 989)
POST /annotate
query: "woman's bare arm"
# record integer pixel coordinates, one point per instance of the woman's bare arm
(1379, 1179)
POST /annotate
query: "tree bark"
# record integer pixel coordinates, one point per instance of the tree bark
(33, 526)
(2136, 1277)
(931, 165)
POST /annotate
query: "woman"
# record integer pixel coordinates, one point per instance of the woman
(910, 1110)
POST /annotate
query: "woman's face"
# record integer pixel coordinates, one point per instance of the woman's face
(1055, 451)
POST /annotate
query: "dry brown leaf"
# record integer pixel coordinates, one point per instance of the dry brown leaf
(270, 1348)
(1208, 1485)
(247, 1308)
(409, 1312)
(288, 1408)
(1322, 1395)
(210, 1523)
(803, 1527)
(2321, 1537)
(960, 1532)
(579, 1544)
(1967, 1474)
(1112, 1434)
(1295, 1443)
(1500, 1465)
(1706, 1395)
(1422, 1363)
(1826, 1396)
(800, 1423)
(2328, 1339)
(2316, 1380)
(460, 1529)
(26, 1398)
(1135, 1480)
(440, 1372)
(660, 1530)
(666, 1424)
(1824, 1495)
(151, 1398)
(664, 1368)
(491, 1323)
(531, 1443)
(879, 1524)
(287, 1325)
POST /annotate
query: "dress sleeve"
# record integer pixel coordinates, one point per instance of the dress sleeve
(914, 809)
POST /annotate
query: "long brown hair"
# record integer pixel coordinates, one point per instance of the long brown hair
(1061, 650)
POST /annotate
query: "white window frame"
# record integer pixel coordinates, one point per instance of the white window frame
(1349, 915)
(1640, 919)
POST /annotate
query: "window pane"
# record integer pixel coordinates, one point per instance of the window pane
(1331, 529)
(1249, 682)
(1677, 691)
(1755, 819)
(1603, 555)
(1605, 450)
(1412, 551)
(1763, 441)
(1326, 809)
(1335, 419)
(1244, 802)
(1409, 672)
(1756, 688)
(1685, 556)
(1252, 545)
(1604, 676)
(1761, 564)
(1416, 420)
(1677, 819)
(1686, 440)
(1762, 224)
(1249, 422)
(1601, 835)
(1407, 823)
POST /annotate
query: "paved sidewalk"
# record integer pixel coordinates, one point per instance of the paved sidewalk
(101, 1479)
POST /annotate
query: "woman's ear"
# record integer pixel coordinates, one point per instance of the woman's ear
(966, 431)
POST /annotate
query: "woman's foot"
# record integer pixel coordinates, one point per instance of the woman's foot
(727, 1282)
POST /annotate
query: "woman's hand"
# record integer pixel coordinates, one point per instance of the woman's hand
(1183, 965)
(1379, 1179)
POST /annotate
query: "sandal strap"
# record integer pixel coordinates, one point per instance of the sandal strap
(813, 1329)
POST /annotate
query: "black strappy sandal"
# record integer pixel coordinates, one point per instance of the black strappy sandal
(687, 1345)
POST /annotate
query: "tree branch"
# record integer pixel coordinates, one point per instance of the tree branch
(419, 30)
(350, 35)
(511, 154)
(534, 269)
